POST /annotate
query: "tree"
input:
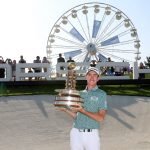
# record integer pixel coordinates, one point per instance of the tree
(147, 63)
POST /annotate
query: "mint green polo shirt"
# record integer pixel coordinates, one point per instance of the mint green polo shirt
(94, 100)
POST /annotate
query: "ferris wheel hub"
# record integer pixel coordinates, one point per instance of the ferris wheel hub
(91, 48)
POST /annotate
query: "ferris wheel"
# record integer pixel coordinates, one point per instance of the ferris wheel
(93, 31)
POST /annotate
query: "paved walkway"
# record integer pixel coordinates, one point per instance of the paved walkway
(32, 123)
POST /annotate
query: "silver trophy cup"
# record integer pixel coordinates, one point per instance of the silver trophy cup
(69, 97)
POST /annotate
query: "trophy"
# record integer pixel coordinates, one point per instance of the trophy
(69, 97)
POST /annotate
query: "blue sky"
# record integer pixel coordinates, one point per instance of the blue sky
(26, 24)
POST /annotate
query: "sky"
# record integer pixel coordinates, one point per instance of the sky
(26, 24)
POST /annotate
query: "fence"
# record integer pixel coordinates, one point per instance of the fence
(82, 67)
(49, 74)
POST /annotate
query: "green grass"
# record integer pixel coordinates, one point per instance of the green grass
(132, 90)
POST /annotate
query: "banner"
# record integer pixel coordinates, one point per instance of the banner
(111, 41)
(96, 27)
(72, 53)
(76, 34)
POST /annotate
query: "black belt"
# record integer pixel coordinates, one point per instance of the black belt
(85, 130)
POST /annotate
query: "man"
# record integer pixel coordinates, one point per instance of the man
(38, 69)
(70, 60)
(2, 70)
(22, 60)
(45, 61)
(60, 60)
(85, 134)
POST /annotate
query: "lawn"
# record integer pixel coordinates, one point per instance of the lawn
(131, 90)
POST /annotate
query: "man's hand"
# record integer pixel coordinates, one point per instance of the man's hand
(79, 108)
(62, 109)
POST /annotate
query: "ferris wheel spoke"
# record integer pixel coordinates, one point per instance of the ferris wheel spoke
(81, 57)
(65, 47)
(75, 34)
(82, 29)
(124, 33)
(96, 58)
(116, 57)
(70, 41)
(110, 43)
(111, 32)
(94, 33)
(101, 25)
(116, 50)
(98, 24)
(106, 28)
(88, 27)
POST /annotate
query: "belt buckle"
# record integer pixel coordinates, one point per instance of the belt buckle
(85, 130)
(89, 130)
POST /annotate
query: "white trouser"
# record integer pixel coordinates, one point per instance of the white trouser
(80, 140)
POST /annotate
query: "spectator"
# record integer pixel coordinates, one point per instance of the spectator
(110, 70)
(38, 69)
(22, 60)
(45, 61)
(59, 60)
(70, 60)
(141, 75)
(30, 71)
(2, 70)
(14, 70)
(124, 69)
(8, 61)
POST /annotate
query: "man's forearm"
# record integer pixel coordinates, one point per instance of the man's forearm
(72, 114)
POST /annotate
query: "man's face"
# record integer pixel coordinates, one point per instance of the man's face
(92, 78)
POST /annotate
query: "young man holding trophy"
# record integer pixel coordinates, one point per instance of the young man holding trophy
(87, 117)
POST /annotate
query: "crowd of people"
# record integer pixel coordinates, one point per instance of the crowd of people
(30, 70)
(22, 60)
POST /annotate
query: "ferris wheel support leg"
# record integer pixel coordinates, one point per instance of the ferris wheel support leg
(135, 70)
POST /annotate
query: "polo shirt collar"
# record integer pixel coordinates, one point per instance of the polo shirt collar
(93, 89)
